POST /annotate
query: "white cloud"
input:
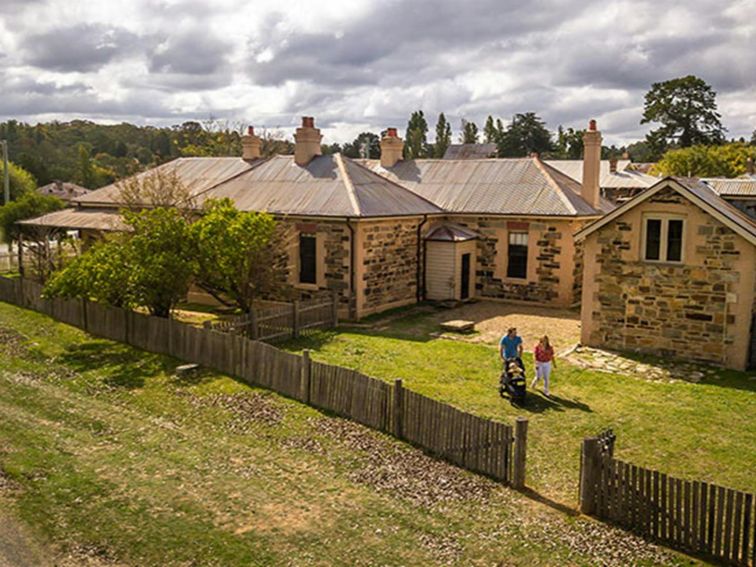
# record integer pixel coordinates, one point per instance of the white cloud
(357, 64)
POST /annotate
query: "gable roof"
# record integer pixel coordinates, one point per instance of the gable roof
(741, 187)
(63, 190)
(623, 178)
(197, 174)
(519, 186)
(450, 232)
(695, 191)
(330, 185)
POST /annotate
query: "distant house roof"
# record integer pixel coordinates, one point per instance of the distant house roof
(80, 218)
(623, 178)
(329, 185)
(450, 232)
(698, 193)
(471, 151)
(63, 190)
(197, 174)
(519, 186)
(741, 187)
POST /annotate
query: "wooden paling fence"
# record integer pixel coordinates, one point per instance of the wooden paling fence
(285, 321)
(477, 444)
(694, 516)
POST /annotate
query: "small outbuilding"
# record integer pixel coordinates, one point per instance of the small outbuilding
(450, 263)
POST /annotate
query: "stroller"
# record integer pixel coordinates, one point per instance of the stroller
(512, 381)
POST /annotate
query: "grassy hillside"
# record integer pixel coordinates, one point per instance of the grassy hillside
(110, 458)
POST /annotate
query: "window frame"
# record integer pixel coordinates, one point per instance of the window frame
(663, 238)
(526, 234)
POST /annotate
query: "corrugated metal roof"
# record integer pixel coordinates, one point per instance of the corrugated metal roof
(710, 197)
(449, 232)
(623, 178)
(63, 190)
(86, 218)
(521, 186)
(328, 186)
(471, 151)
(739, 187)
(198, 174)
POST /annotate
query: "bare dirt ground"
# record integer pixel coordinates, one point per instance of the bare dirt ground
(492, 319)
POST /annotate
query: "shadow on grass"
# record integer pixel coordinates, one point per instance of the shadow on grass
(535, 403)
(120, 365)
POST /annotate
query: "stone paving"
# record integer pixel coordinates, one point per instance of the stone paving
(659, 370)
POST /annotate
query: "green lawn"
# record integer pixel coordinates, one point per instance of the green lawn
(106, 455)
(704, 431)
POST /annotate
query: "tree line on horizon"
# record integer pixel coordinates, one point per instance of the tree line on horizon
(689, 140)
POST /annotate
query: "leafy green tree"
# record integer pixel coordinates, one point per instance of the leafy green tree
(569, 143)
(727, 160)
(163, 257)
(102, 274)
(28, 206)
(490, 132)
(416, 144)
(366, 144)
(686, 108)
(443, 136)
(526, 134)
(151, 266)
(469, 132)
(20, 180)
(237, 261)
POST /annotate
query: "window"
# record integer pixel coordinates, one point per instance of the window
(307, 259)
(517, 254)
(663, 239)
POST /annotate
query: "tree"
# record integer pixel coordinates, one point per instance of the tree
(469, 132)
(150, 266)
(101, 274)
(236, 254)
(161, 187)
(20, 180)
(365, 145)
(569, 144)
(526, 134)
(728, 160)
(686, 108)
(163, 256)
(416, 145)
(28, 206)
(490, 133)
(443, 136)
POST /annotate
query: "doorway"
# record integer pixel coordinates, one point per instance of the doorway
(464, 291)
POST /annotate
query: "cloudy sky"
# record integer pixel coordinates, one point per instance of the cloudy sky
(366, 64)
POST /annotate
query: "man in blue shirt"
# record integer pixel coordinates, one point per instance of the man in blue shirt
(510, 346)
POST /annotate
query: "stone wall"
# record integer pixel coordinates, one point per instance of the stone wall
(552, 265)
(699, 309)
(388, 264)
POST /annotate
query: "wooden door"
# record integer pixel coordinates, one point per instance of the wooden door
(464, 291)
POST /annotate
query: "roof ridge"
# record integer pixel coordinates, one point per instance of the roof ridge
(545, 169)
(348, 183)
(398, 185)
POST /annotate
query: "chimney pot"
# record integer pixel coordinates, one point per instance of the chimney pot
(592, 125)
(250, 130)
(613, 165)
(391, 132)
(306, 141)
(535, 155)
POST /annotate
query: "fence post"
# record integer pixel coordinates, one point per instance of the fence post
(305, 377)
(295, 319)
(589, 460)
(398, 403)
(254, 331)
(520, 452)
(334, 308)
(84, 318)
